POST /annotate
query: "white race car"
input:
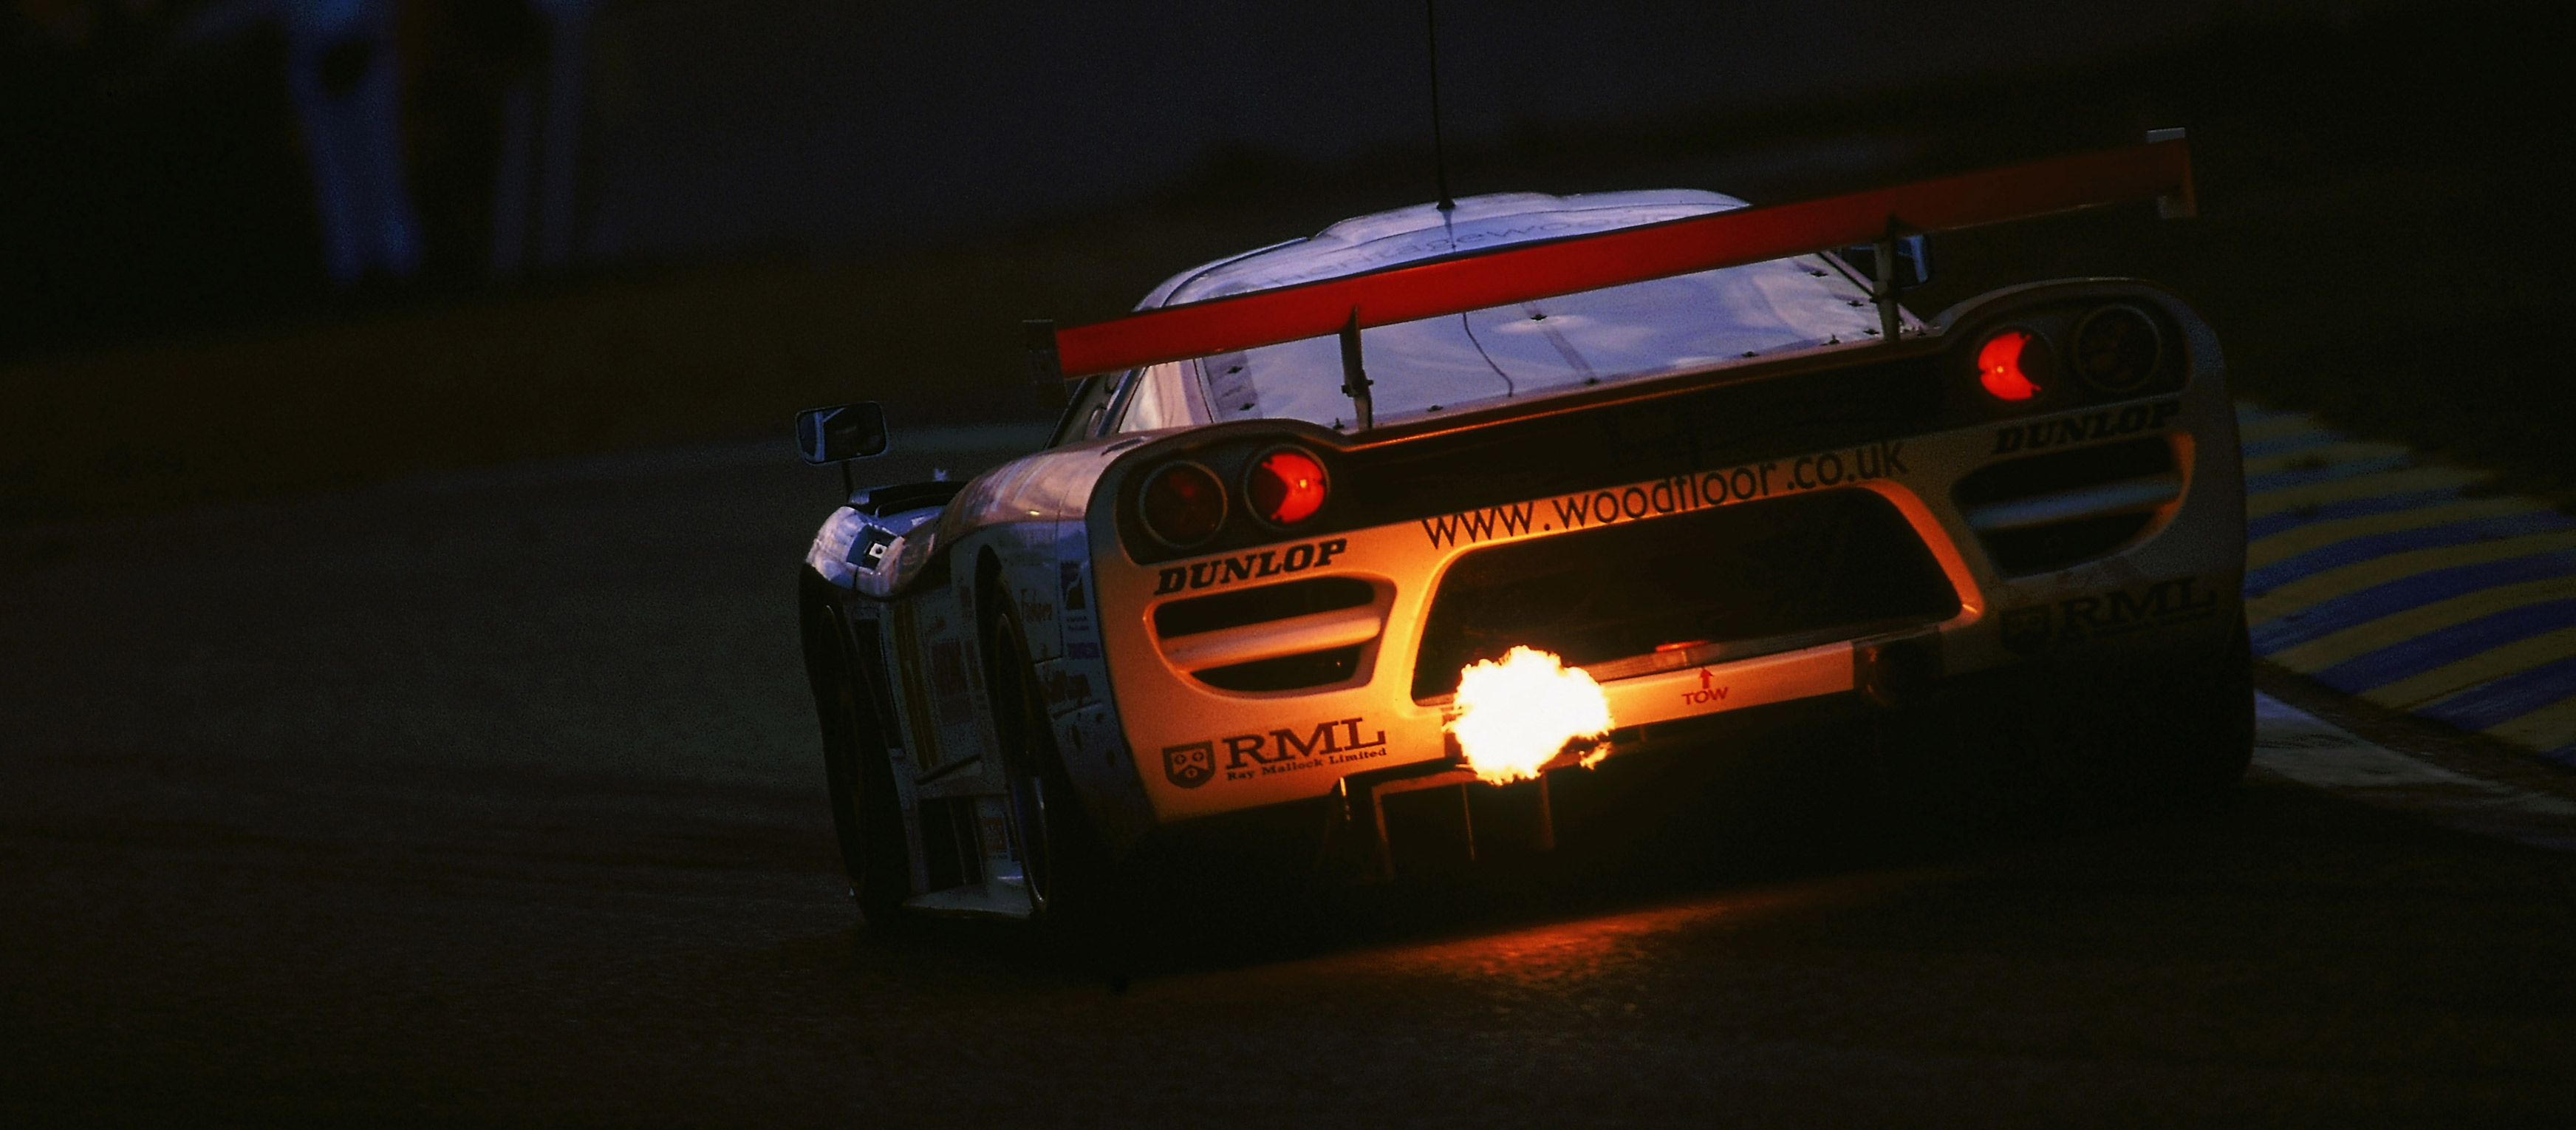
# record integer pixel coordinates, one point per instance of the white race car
(1660, 455)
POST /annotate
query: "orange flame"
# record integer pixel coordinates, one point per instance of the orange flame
(1517, 715)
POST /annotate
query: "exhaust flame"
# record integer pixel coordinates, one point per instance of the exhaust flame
(1517, 715)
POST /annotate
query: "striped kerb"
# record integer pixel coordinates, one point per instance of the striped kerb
(2371, 571)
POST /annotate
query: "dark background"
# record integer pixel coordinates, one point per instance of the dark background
(159, 176)
(785, 203)
(779, 204)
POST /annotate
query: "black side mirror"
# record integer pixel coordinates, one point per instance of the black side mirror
(841, 432)
(1913, 261)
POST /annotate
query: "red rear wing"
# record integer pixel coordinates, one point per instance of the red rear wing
(1523, 272)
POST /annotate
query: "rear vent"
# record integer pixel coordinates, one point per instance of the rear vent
(1286, 673)
(1260, 605)
(2045, 512)
(1769, 576)
(1283, 637)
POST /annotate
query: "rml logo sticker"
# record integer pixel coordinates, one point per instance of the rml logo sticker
(2078, 619)
(1189, 766)
(1292, 749)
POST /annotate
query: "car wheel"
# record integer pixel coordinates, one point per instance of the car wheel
(867, 816)
(2048, 745)
(1059, 858)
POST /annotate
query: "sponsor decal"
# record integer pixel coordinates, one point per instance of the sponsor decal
(2081, 619)
(1473, 526)
(868, 550)
(1069, 574)
(997, 831)
(1189, 766)
(2090, 426)
(1068, 688)
(1081, 649)
(950, 692)
(1677, 494)
(1290, 749)
(1223, 571)
(1034, 610)
(1710, 690)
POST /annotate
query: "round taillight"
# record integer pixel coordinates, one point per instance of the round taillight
(1183, 504)
(2012, 364)
(2116, 349)
(1285, 486)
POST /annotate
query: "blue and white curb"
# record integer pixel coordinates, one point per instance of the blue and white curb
(2369, 570)
(2291, 743)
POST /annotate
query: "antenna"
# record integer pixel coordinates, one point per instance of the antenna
(1439, 153)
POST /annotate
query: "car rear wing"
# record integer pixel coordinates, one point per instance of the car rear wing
(1522, 272)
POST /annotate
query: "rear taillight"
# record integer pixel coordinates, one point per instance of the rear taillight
(1285, 486)
(1182, 505)
(2013, 364)
(2116, 349)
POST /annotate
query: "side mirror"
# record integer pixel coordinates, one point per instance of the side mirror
(841, 433)
(1913, 261)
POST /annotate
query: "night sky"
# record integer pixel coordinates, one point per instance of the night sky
(792, 123)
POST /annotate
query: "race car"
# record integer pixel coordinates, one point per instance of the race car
(1690, 454)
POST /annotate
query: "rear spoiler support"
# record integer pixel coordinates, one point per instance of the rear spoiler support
(2180, 204)
(1355, 382)
(1885, 292)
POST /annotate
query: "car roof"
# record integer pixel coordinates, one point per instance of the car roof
(1423, 231)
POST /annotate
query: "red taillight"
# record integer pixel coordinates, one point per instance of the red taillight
(1183, 505)
(2010, 363)
(1286, 486)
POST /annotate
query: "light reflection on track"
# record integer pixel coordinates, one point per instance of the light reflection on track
(1563, 955)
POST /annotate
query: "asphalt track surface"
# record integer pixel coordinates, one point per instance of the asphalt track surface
(493, 799)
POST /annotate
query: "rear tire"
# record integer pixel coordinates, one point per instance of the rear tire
(2046, 744)
(2181, 732)
(1060, 858)
(867, 816)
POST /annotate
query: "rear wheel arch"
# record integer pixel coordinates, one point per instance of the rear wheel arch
(1005, 661)
(1071, 875)
(1060, 856)
(1009, 661)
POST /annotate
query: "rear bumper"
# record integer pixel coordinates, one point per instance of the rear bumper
(2167, 574)
(1931, 741)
